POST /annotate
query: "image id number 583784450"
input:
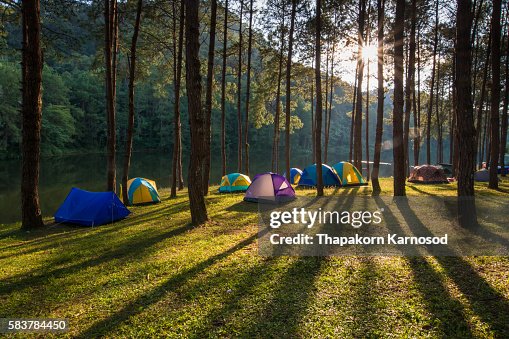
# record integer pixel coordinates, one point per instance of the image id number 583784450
(20, 325)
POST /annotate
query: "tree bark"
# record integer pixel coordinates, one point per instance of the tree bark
(130, 119)
(465, 120)
(110, 57)
(368, 174)
(239, 94)
(410, 87)
(465, 115)
(177, 77)
(397, 119)
(318, 80)
(208, 96)
(326, 111)
(380, 100)
(475, 41)
(418, 133)
(196, 114)
(288, 89)
(480, 106)
(275, 145)
(248, 86)
(352, 121)
(432, 87)
(438, 117)
(331, 95)
(223, 91)
(503, 125)
(495, 94)
(313, 124)
(452, 128)
(31, 111)
(357, 135)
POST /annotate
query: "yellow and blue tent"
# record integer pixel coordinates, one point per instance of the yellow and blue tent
(295, 174)
(142, 191)
(349, 174)
(234, 182)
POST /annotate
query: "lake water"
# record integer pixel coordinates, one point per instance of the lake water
(60, 174)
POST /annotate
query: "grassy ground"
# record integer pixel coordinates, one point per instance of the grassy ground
(152, 274)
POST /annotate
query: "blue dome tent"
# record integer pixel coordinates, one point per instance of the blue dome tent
(91, 208)
(329, 176)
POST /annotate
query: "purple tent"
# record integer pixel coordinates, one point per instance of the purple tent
(270, 187)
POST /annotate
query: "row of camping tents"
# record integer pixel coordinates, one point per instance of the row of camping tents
(441, 174)
(271, 186)
(341, 174)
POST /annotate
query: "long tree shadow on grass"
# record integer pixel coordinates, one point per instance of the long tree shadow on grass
(102, 327)
(366, 306)
(451, 203)
(130, 250)
(420, 191)
(488, 304)
(445, 310)
(250, 281)
(291, 297)
(91, 233)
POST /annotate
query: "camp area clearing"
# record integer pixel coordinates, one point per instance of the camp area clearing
(153, 275)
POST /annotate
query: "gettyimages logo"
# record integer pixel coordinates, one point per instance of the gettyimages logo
(309, 218)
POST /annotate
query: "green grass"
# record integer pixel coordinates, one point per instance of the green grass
(154, 275)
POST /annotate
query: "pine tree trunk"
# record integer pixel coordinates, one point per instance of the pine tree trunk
(418, 134)
(31, 112)
(480, 106)
(326, 111)
(275, 145)
(180, 172)
(368, 174)
(432, 87)
(239, 94)
(313, 151)
(248, 86)
(352, 121)
(110, 56)
(397, 119)
(357, 135)
(438, 118)
(484, 128)
(503, 125)
(208, 96)
(465, 119)
(130, 119)
(476, 40)
(196, 114)
(177, 76)
(288, 89)
(223, 91)
(452, 127)
(495, 94)
(380, 99)
(410, 87)
(368, 32)
(331, 93)
(318, 80)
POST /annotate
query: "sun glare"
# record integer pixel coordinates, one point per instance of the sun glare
(369, 52)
